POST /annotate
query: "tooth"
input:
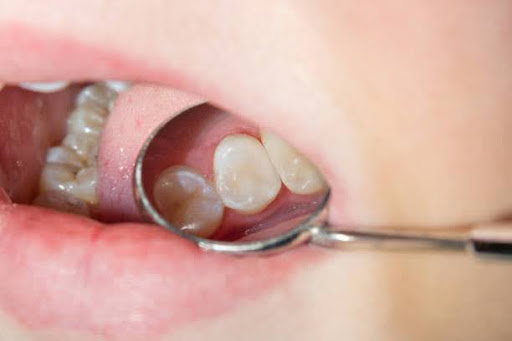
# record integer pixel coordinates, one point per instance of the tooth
(1, 86)
(63, 155)
(97, 94)
(84, 145)
(45, 87)
(188, 201)
(88, 119)
(85, 185)
(57, 177)
(244, 176)
(118, 86)
(298, 174)
(63, 202)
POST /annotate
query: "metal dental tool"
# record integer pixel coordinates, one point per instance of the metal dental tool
(482, 239)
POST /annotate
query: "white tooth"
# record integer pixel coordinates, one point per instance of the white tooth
(88, 119)
(244, 175)
(84, 145)
(97, 94)
(85, 185)
(188, 201)
(118, 86)
(57, 177)
(63, 155)
(63, 202)
(298, 174)
(45, 87)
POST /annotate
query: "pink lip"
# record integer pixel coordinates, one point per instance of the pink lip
(120, 281)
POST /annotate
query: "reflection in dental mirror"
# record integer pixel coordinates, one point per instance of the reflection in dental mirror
(211, 174)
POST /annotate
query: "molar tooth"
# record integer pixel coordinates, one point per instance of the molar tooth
(84, 187)
(57, 177)
(88, 119)
(45, 87)
(298, 174)
(63, 202)
(188, 201)
(63, 155)
(97, 94)
(244, 176)
(84, 145)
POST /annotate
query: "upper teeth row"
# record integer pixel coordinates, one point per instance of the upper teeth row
(68, 178)
(247, 178)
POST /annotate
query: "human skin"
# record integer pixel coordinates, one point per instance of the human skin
(406, 107)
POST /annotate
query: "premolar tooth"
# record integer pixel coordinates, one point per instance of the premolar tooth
(45, 87)
(298, 174)
(88, 119)
(63, 155)
(188, 201)
(63, 202)
(84, 145)
(85, 185)
(244, 176)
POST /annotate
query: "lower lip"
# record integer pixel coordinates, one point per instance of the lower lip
(118, 281)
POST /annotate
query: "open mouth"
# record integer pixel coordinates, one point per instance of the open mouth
(101, 269)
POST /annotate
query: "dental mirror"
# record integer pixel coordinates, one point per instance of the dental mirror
(217, 181)
(231, 187)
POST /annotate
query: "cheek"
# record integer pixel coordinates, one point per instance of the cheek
(425, 104)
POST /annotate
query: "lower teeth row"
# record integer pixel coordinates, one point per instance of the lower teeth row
(68, 178)
(248, 173)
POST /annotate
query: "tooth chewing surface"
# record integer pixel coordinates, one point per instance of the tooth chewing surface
(69, 177)
(188, 201)
(298, 174)
(244, 176)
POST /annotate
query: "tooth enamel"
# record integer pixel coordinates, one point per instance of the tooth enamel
(45, 87)
(63, 202)
(97, 94)
(85, 185)
(118, 86)
(88, 119)
(57, 177)
(244, 176)
(84, 145)
(63, 155)
(69, 177)
(298, 174)
(188, 201)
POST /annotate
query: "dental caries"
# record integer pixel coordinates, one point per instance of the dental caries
(69, 176)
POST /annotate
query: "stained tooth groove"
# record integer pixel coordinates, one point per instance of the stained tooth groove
(188, 201)
(45, 87)
(298, 174)
(69, 177)
(244, 176)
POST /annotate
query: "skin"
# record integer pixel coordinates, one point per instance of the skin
(412, 115)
